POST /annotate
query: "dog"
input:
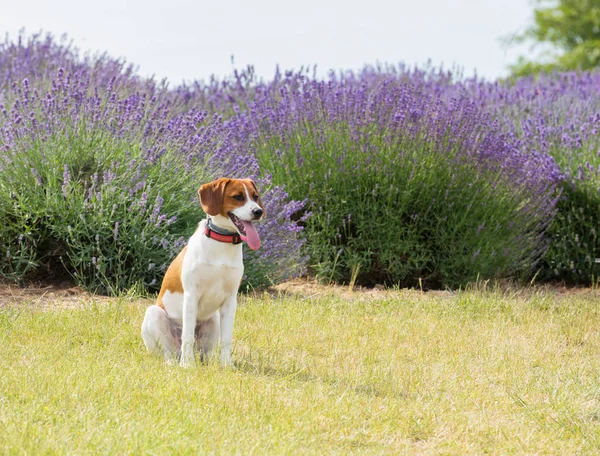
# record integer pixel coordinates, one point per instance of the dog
(197, 302)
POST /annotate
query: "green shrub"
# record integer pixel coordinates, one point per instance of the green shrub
(575, 245)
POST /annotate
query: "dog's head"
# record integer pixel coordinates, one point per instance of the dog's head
(236, 200)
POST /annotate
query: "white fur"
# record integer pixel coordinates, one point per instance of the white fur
(245, 212)
(157, 332)
(210, 275)
(173, 304)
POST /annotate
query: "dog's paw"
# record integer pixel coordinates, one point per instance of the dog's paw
(227, 363)
(186, 361)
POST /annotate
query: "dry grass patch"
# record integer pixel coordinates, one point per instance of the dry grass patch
(325, 371)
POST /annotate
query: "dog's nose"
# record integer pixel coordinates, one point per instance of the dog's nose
(257, 213)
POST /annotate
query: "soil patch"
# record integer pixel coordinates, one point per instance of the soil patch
(66, 295)
(55, 296)
(308, 288)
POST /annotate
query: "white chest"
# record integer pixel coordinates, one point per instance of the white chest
(211, 274)
(213, 286)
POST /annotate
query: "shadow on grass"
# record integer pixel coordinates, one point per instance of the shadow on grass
(302, 376)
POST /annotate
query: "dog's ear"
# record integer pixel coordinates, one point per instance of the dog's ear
(211, 195)
(259, 201)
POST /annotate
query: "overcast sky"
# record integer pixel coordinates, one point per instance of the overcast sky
(186, 40)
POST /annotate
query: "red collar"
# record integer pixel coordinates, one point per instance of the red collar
(233, 238)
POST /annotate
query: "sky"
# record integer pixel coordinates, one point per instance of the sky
(186, 40)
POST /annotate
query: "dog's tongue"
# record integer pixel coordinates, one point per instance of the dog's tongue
(252, 237)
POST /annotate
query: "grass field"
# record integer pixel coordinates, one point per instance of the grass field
(317, 373)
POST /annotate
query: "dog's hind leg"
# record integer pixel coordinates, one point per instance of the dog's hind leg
(208, 333)
(158, 333)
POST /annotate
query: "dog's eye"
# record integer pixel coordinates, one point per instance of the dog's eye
(255, 197)
(238, 197)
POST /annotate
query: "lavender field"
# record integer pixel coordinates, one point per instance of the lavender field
(388, 175)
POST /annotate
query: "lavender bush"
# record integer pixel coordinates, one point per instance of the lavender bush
(403, 186)
(556, 115)
(411, 175)
(559, 115)
(102, 186)
(38, 58)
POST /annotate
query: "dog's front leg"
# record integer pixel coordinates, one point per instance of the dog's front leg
(227, 312)
(190, 311)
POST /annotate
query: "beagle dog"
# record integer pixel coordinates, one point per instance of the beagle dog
(197, 302)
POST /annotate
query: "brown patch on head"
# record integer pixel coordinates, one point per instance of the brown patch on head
(224, 195)
(212, 195)
(235, 196)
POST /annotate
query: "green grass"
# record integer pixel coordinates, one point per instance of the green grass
(401, 372)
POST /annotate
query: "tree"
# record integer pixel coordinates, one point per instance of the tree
(570, 29)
